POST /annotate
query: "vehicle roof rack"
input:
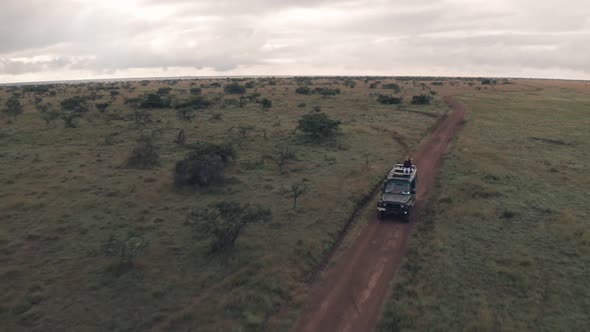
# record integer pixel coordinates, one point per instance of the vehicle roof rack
(397, 172)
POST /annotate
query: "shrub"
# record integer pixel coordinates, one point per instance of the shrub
(185, 114)
(266, 103)
(101, 107)
(225, 221)
(204, 165)
(234, 88)
(154, 100)
(392, 86)
(196, 102)
(318, 125)
(303, 90)
(389, 100)
(421, 100)
(327, 91)
(164, 90)
(195, 91)
(144, 155)
(75, 104)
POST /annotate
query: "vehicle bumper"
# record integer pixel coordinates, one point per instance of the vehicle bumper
(393, 211)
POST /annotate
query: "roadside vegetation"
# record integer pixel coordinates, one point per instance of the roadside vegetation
(505, 244)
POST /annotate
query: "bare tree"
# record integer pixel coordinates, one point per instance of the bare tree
(281, 157)
(297, 189)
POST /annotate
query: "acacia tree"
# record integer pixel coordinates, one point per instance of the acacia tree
(318, 126)
(225, 221)
(13, 107)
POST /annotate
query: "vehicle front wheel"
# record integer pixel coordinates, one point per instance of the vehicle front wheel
(380, 215)
(407, 216)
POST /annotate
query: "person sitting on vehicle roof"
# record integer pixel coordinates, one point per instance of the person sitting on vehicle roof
(408, 165)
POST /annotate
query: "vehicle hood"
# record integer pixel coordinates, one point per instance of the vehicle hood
(397, 198)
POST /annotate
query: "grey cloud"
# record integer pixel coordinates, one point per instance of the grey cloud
(57, 37)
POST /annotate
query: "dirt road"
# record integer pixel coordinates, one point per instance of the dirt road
(350, 294)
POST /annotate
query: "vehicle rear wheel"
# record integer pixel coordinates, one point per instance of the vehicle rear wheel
(380, 215)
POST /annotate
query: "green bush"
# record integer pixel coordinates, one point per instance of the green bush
(204, 165)
(421, 100)
(164, 91)
(234, 88)
(154, 100)
(389, 100)
(318, 125)
(392, 86)
(327, 91)
(196, 103)
(266, 103)
(303, 90)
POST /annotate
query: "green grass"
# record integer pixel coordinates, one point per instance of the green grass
(505, 242)
(64, 192)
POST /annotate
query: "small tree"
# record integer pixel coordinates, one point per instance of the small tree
(297, 189)
(144, 155)
(13, 107)
(318, 125)
(73, 109)
(225, 221)
(48, 114)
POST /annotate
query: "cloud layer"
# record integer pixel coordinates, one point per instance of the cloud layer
(78, 39)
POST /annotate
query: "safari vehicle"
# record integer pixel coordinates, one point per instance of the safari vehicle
(398, 194)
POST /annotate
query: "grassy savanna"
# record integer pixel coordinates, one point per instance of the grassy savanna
(505, 242)
(92, 243)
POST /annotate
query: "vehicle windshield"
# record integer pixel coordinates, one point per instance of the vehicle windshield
(397, 187)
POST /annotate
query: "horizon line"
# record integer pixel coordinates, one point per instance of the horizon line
(162, 78)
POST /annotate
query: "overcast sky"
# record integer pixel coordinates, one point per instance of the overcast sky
(80, 39)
